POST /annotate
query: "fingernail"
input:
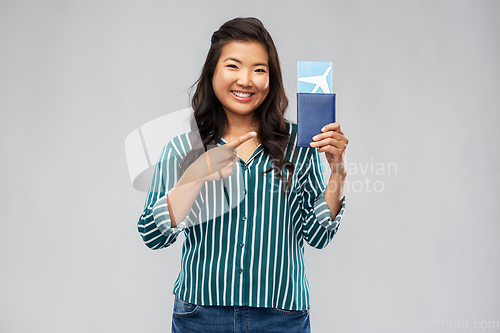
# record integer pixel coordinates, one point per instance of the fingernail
(323, 129)
(315, 138)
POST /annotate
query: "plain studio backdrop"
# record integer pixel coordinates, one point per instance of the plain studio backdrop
(418, 89)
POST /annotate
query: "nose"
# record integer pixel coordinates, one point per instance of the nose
(245, 79)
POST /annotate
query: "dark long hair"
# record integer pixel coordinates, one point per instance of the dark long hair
(209, 117)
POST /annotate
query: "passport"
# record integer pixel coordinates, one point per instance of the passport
(313, 112)
(315, 100)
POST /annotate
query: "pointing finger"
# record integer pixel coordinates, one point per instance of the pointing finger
(242, 139)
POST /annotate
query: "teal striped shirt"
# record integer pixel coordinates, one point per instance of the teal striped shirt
(244, 235)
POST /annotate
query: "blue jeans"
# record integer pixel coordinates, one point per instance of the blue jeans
(192, 318)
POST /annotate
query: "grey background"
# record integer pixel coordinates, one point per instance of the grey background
(418, 85)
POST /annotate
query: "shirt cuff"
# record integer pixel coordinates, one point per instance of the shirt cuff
(162, 219)
(324, 216)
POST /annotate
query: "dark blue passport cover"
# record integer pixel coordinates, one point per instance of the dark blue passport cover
(313, 112)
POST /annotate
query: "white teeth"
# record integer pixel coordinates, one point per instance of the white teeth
(240, 94)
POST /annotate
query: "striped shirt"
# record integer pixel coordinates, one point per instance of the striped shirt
(244, 235)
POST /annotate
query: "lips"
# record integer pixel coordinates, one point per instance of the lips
(242, 96)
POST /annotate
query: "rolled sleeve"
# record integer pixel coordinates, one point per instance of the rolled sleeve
(318, 226)
(323, 214)
(162, 218)
(154, 225)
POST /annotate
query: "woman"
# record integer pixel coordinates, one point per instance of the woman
(247, 205)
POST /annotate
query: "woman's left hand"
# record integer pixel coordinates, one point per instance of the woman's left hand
(333, 143)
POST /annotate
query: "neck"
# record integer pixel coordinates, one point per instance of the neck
(240, 125)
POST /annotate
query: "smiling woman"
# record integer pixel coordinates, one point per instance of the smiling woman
(241, 84)
(243, 268)
(241, 80)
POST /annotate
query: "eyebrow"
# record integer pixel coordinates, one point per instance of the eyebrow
(239, 62)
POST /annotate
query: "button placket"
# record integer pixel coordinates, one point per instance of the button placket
(243, 219)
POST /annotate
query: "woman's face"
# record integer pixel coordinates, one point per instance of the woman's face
(241, 77)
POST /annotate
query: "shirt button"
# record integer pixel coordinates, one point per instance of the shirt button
(244, 218)
(240, 270)
(241, 244)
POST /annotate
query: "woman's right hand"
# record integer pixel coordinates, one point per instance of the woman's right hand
(216, 163)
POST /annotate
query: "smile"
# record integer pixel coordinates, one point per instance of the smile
(241, 94)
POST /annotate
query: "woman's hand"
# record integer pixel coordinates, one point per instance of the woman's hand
(216, 163)
(333, 143)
